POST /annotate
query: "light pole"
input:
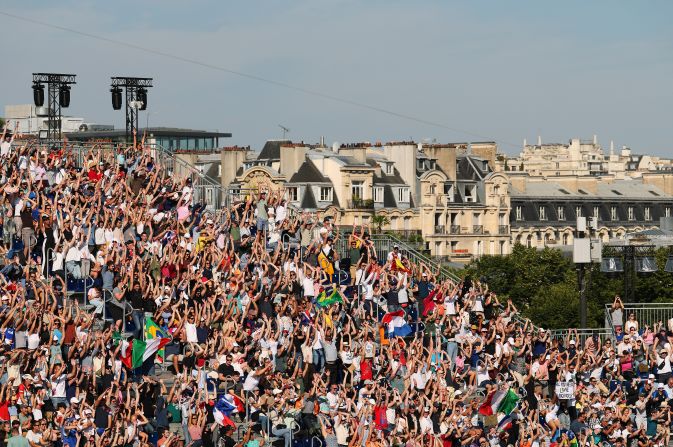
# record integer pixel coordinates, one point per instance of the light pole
(136, 99)
(58, 96)
(585, 252)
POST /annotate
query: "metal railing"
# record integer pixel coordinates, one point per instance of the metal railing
(503, 229)
(647, 314)
(454, 229)
(361, 204)
(404, 233)
(477, 229)
(440, 229)
(581, 335)
(384, 243)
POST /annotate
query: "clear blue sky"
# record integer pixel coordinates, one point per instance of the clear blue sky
(501, 70)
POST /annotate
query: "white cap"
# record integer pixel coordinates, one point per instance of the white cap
(74, 400)
(571, 342)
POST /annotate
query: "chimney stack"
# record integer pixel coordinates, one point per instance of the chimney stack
(539, 140)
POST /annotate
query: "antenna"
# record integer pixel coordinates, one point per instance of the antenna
(285, 130)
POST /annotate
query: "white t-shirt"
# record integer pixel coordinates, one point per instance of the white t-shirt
(58, 386)
(251, 382)
(190, 331)
(4, 148)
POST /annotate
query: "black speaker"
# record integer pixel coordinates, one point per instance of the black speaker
(38, 94)
(116, 98)
(64, 96)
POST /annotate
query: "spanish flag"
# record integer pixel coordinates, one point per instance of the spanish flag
(399, 267)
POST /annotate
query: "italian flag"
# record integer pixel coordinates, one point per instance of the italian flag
(501, 401)
(134, 353)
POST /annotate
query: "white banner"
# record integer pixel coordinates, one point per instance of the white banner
(565, 390)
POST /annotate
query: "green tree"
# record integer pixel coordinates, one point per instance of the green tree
(2, 123)
(528, 277)
(557, 306)
(379, 221)
(543, 285)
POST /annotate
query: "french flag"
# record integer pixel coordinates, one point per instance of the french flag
(224, 406)
(397, 325)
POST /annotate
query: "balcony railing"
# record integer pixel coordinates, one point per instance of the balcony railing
(440, 229)
(477, 229)
(361, 204)
(503, 229)
(454, 229)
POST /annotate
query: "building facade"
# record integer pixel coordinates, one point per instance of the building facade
(581, 158)
(545, 210)
(446, 194)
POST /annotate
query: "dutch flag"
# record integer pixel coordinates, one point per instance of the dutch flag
(397, 325)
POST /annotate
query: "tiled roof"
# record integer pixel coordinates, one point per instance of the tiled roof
(271, 149)
(308, 173)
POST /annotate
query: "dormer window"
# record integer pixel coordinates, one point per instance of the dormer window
(378, 194)
(292, 193)
(388, 168)
(403, 195)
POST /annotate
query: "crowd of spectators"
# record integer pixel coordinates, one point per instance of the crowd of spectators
(275, 335)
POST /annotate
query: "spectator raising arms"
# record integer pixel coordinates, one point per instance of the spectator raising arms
(132, 315)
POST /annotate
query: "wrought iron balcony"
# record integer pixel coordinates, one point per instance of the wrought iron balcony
(478, 229)
(361, 204)
(503, 229)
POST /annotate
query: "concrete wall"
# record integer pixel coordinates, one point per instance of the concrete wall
(291, 158)
(445, 157)
(232, 159)
(487, 151)
(663, 181)
(404, 156)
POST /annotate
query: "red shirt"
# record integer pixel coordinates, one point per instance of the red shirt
(366, 370)
(4, 411)
(380, 419)
(94, 175)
